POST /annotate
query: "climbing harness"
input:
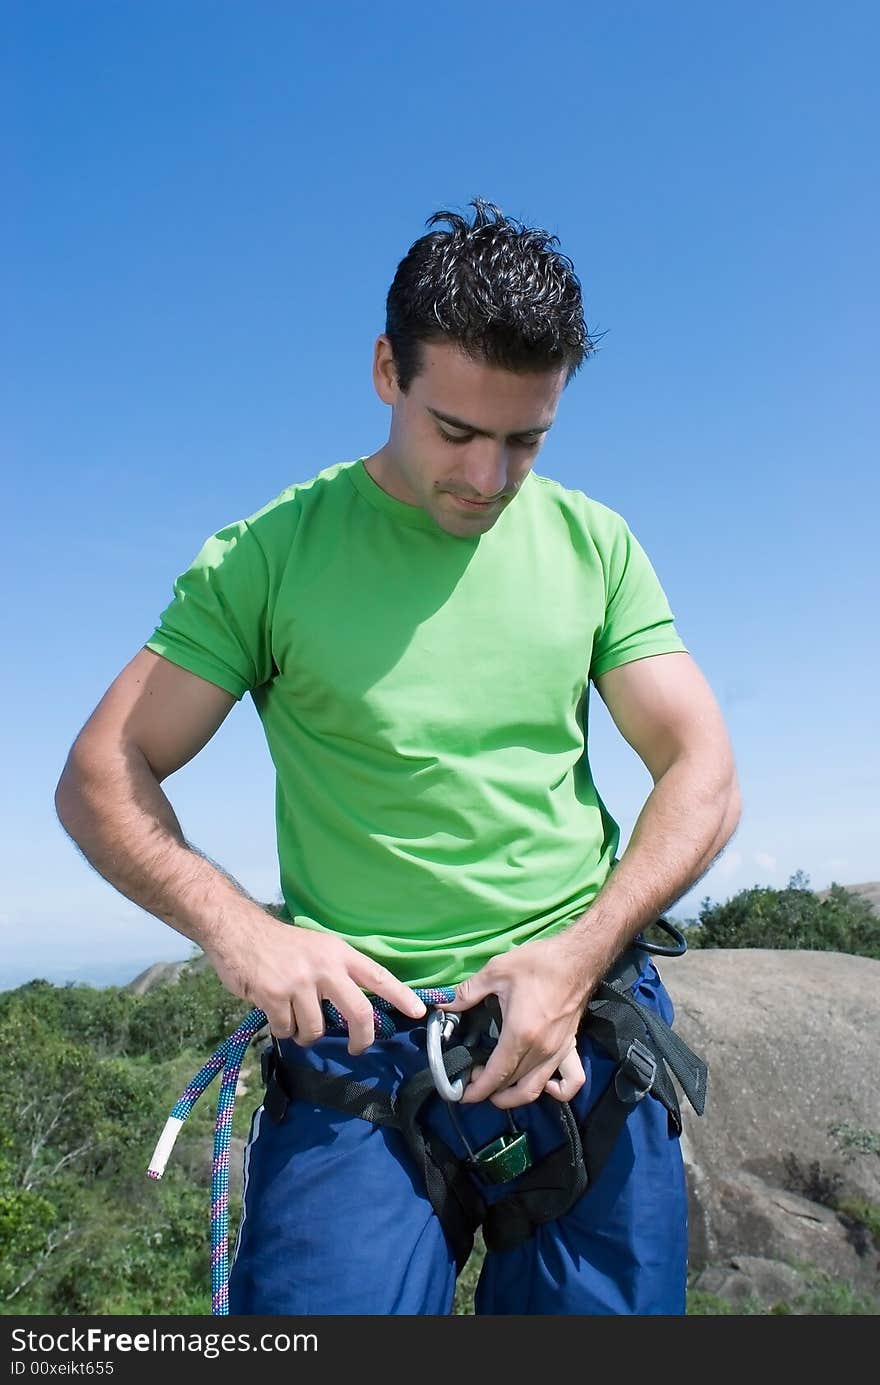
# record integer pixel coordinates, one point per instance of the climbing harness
(642, 1045)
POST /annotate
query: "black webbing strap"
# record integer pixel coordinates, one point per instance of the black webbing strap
(452, 1192)
(286, 1082)
(614, 1018)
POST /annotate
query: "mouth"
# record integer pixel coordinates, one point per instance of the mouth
(476, 504)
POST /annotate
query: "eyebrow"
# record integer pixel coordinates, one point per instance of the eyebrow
(481, 432)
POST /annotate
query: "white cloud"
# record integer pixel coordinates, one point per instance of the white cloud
(730, 863)
(763, 858)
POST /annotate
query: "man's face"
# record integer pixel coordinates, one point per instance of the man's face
(483, 456)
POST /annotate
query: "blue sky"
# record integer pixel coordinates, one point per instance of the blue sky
(205, 205)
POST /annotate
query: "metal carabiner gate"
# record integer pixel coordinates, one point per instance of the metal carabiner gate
(441, 1028)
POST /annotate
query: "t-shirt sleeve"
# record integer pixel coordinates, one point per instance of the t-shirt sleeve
(218, 624)
(638, 619)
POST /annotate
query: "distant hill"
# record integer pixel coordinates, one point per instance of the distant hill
(870, 890)
(165, 973)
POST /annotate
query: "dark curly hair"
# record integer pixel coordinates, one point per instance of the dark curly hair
(496, 289)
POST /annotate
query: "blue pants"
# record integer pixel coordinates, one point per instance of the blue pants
(336, 1219)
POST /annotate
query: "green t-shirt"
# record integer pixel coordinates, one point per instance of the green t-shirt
(425, 699)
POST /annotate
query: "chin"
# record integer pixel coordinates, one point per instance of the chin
(467, 529)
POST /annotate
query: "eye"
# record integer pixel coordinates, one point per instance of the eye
(518, 442)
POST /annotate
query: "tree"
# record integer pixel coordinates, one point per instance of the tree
(73, 1119)
(795, 917)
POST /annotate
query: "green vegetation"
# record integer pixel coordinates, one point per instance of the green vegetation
(791, 918)
(88, 1077)
(831, 1297)
(854, 1140)
(823, 1296)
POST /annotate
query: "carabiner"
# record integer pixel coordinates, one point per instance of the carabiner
(442, 1026)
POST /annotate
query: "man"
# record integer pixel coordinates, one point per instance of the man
(418, 629)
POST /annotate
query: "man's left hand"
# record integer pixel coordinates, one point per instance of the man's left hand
(542, 988)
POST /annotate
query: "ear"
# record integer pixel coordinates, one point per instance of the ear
(384, 371)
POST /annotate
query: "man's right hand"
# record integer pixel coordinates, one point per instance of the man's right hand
(287, 971)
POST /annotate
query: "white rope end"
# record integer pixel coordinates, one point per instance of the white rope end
(164, 1147)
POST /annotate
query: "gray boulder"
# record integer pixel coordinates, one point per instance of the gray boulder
(752, 1281)
(791, 1133)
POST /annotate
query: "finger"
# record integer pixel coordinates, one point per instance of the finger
(308, 1019)
(495, 1076)
(281, 1020)
(532, 1076)
(524, 1091)
(470, 992)
(519, 1052)
(351, 1002)
(568, 1079)
(381, 982)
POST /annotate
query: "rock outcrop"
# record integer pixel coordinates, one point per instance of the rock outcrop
(785, 1163)
(165, 974)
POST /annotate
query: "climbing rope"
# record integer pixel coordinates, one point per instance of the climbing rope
(228, 1058)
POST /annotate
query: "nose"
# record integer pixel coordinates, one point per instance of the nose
(487, 473)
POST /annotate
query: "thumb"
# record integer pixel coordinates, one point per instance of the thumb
(468, 993)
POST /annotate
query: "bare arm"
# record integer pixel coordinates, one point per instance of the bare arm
(154, 718)
(665, 709)
(151, 721)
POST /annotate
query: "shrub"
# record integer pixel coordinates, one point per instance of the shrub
(791, 918)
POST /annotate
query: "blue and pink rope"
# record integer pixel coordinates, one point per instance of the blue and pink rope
(228, 1058)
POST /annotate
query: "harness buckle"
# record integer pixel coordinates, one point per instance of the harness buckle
(635, 1076)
